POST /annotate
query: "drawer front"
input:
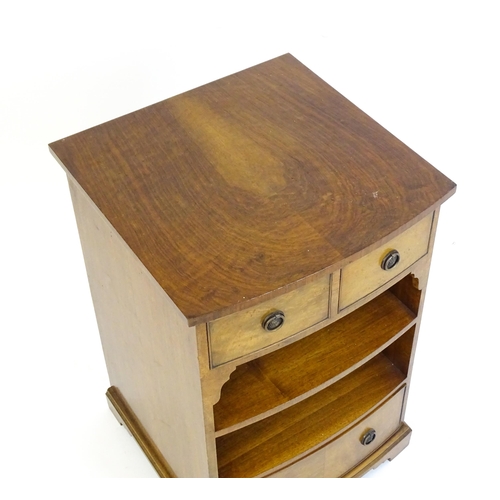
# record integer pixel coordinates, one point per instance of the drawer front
(366, 274)
(243, 332)
(346, 451)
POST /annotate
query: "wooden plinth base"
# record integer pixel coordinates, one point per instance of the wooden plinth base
(126, 417)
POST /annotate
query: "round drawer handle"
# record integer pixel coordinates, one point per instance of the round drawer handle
(390, 260)
(368, 437)
(273, 321)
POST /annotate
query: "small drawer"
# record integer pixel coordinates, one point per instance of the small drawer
(247, 331)
(370, 272)
(345, 452)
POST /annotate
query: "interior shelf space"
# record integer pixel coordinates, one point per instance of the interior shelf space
(257, 448)
(264, 386)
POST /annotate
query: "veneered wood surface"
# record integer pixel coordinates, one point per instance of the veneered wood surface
(234, 190)
(345, 452)
(242, 333)
(293, 371)
(259, 447)
(150, 351)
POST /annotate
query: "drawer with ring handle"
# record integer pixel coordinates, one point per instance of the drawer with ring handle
(365, 275)
(247, 331)
(352, 446)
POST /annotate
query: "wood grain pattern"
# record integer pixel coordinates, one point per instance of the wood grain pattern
(241, 333)
(260, 447)
(150, 351)
(346, 451)
(365, 275)
(249, 186)
(295, 371)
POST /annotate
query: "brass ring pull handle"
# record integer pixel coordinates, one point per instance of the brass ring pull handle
(273, 321)
(368, 437)
(390, 260)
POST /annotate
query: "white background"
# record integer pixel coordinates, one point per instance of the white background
(427, 71)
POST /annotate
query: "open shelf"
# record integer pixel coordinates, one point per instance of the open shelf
(264, 386)
(257, 448)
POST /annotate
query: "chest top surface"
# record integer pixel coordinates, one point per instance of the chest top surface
(231, 191)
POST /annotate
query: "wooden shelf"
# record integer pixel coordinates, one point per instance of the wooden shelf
(269, 384)
(257, 448)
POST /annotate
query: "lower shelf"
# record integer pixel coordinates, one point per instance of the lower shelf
(261, 447)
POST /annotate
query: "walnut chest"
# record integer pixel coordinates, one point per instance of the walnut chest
(257, 251)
